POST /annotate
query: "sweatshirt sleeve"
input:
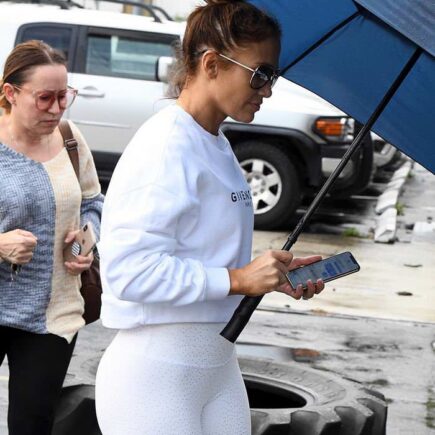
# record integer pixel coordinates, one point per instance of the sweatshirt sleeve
(92, 199)
(139, 240)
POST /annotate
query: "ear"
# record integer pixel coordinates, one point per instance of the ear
(9, 92)
(210, 64)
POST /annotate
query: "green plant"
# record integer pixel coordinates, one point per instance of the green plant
(352, 232)
(400, 207)
(430, 410)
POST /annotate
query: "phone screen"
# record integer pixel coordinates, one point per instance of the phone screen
(327, 269)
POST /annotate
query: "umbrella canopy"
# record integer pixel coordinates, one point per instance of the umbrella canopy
(350, 51)
(375, 60)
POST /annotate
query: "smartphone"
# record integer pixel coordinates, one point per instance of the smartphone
(327, 269)
(83, 243)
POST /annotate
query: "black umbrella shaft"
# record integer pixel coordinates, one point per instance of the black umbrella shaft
(247, 306)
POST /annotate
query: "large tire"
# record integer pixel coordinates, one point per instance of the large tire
(76, 413)
(285, 399)
(274, 182)
(290, 399)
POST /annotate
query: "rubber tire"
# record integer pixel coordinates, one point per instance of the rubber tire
(76, 413)
(280, 215)
(333, 406)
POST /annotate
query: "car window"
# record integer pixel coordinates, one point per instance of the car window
(120, 56)
(56, 36)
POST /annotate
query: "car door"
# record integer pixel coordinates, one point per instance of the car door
(115, 75)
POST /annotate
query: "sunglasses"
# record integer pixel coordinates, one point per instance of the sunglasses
(261, 75)
(44, 100)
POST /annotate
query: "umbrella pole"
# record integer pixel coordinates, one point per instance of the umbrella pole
(247, 306)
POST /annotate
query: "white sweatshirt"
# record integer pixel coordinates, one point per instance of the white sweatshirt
(177, 214)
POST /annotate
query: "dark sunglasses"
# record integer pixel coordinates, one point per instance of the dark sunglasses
(261, 75)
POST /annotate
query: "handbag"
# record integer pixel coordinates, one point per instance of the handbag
(91, 288)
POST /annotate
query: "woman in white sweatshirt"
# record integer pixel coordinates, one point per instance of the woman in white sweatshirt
(176, 240)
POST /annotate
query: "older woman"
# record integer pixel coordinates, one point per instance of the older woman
(41, 208)
(176, 240)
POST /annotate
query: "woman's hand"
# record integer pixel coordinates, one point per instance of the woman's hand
(82, 262)
(267, 273)
(17, 246)
(79, 266)
(312, 288)
(264, 274)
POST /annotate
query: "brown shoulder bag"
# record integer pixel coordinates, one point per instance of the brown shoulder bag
(91, 283)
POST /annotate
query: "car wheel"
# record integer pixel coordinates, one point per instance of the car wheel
(274, 183)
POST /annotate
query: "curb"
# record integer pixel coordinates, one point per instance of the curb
(386, 223)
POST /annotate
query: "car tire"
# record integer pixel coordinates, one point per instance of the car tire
(284, 398)
(274, 182)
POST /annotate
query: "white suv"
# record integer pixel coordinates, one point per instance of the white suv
(113, 59)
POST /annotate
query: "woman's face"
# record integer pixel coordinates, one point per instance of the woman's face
(32, 102)
(234, 94)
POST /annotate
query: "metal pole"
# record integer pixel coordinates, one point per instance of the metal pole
(247, 306)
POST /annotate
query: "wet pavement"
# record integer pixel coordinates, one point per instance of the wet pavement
(396, 281)
(376, 327)
(395, 358)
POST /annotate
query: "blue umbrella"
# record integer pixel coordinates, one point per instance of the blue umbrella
(375, 60)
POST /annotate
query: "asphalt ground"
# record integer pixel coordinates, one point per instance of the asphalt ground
(375, 327)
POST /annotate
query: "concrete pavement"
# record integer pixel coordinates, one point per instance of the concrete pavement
(376, 327)
(395, 281)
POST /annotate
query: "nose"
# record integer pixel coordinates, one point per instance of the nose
(266, 90)
(55, 107)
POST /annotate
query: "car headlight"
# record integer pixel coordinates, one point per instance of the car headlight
(335, 129)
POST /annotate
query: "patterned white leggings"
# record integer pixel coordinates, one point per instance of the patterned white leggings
(173, 379)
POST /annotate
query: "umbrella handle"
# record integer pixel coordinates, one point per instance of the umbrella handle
(247, 306)
(240, 318)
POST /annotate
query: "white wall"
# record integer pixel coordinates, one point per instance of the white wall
(178, 8)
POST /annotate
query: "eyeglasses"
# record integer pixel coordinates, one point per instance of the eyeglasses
(261, 75)
(44, 100)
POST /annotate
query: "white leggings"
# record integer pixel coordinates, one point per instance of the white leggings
(173, 379)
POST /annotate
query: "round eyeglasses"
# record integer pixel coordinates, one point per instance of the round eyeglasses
(44, 100)
(261, 76)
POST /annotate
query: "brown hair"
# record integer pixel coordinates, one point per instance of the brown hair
(221, 25)
(22, 59)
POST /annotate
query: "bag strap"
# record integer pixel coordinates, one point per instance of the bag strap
(71, 145)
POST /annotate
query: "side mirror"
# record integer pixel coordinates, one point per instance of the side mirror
(163, 66)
